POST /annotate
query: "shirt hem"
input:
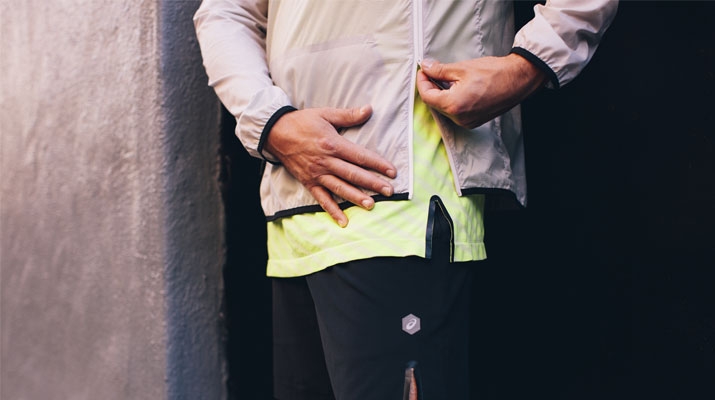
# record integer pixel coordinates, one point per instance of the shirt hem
(319, 261)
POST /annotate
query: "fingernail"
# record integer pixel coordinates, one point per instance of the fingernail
(343, 223)
(368, 204)
(391, 173)
(364, 109)
(387, 191)
(427, 63)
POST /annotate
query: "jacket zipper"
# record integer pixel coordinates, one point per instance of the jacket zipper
(419, 31)
(417, 54)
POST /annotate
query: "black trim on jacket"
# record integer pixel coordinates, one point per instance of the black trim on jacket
(267, 129)
(344, 205)
(496, 199)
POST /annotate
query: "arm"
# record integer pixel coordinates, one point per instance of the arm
(232, 36)
(549, 50)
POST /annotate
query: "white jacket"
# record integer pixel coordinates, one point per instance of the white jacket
(266, 57)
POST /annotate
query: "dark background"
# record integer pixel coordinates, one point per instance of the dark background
(603, 286)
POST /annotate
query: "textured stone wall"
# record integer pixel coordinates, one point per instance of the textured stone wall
(110, 214)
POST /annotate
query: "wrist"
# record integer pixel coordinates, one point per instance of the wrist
(263, 145)
(527, 72)
(552, 80)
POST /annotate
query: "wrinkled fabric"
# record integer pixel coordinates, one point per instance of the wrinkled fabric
(261, 56)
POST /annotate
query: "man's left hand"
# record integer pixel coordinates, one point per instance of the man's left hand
(479, 89)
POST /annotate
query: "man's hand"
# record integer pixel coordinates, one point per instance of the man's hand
(479, 89)
(309, 146)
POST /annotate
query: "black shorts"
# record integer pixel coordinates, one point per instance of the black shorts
(348, 332)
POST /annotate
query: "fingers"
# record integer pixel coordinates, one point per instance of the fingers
(351, 177)
(329, 185)
(367, 160)
(347, 191)
(358, 155)
(438, 71)
(347, 117)
(326, 163)
(430, 93)
(326, 201)
(346, 173)
(434, 81)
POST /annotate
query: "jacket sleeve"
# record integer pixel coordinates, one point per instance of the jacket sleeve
(232, 38)
(563, 35)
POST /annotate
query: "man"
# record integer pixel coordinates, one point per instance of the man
(379, 158)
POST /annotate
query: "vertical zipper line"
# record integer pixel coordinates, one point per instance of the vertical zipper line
(419, 31)
(417, 54)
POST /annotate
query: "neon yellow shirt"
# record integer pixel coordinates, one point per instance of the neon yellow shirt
(305, 243)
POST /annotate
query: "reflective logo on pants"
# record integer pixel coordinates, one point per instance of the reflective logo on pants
(411, 324)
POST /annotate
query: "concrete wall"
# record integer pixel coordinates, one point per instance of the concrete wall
(110, 213)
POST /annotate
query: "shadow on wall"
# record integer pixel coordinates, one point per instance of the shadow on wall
(602, 287)
(248, 290)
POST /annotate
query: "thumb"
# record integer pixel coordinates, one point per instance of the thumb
(438, 71)
(347, 117)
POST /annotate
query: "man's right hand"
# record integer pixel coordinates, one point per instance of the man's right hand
(309, 146)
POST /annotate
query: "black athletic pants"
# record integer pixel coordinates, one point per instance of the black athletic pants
(349, 331)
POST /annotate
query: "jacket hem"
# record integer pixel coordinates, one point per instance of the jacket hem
(312, 208)
(496, 198)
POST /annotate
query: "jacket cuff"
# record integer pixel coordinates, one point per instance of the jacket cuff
(540, 64)
(564, 35)
(252, 123)
(267, 129)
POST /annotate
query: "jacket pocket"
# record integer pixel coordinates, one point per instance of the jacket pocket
(337, 73)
